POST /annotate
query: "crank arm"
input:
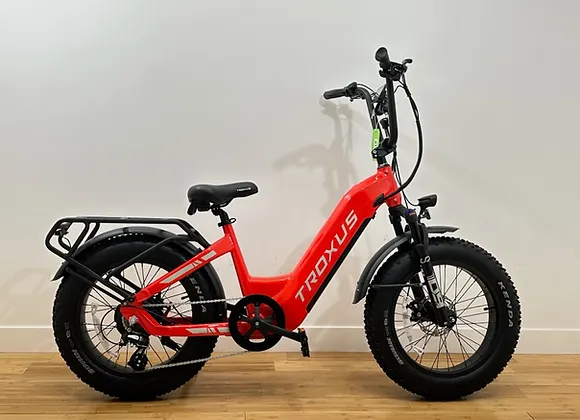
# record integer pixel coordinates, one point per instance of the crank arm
(281, 331)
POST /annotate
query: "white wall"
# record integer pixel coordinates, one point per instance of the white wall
(116, 108)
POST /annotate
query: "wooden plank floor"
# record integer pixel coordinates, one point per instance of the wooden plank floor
(270, 386)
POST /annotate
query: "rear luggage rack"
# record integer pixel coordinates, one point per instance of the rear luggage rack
(61, 228)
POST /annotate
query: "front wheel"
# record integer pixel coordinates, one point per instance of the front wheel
(450, 362)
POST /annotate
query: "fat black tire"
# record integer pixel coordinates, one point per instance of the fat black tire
(400, 368)
(130, 385)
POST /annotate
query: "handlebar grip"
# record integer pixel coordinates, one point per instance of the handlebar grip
(382, 56)
(334, 93)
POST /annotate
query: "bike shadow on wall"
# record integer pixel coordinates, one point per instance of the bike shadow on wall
(339, 175)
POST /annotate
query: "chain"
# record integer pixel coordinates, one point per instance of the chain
(192, 362)
(201, 302)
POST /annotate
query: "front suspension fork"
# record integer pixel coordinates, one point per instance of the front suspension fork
(421, 247)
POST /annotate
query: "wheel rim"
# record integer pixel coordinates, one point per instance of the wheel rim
(102, 324)
(445, 350)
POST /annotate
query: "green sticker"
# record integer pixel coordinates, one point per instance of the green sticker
(375, 139)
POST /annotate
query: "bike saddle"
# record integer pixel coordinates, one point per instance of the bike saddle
(219, 195)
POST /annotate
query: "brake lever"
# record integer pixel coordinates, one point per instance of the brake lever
(350, 90)
(405, 62)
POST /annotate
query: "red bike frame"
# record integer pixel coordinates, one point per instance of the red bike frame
(297, 291)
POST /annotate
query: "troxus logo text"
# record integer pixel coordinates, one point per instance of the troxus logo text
(330, 254)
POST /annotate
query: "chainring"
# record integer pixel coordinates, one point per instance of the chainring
(250, 310)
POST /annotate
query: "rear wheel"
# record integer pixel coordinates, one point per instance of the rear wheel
(88, 325)
(444, 362)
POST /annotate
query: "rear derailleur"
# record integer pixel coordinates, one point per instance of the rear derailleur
(133, 334)
(140, 339)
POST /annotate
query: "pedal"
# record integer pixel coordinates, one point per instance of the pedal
(304, 342)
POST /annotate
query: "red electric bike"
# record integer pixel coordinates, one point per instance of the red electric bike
(139, 309)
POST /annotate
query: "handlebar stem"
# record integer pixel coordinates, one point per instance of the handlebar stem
(392, 112)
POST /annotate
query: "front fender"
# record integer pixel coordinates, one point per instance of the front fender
(382, 254)
(188, 249)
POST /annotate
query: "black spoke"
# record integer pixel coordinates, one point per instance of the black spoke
(413, 342)
(408, 326)
(165, 349)
(143, 274)
(147, 275)
(122, 283)
(157, 354)
(426, 337)
(469, 299)
(467, 338)
(172, 296)
(138, 277)
(438, 353)
(103, 302)
(454, 282)
(447, 352)
(445, 278)
(468, 323)
(118, 353)
(102, 297)
(463, 351)
(103, 328)
(440, 276)
(460, 290)
(455, 298)
(475, 314)
(468, 289)
(467, 307)
(98, 332)
(429, 335)
(485, 306)
(97, 310)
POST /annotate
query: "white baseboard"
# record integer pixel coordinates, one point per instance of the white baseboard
(321, 338)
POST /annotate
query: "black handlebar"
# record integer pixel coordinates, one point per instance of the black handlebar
(334, 93)
(391, 71)
(382, 56)
(349, 91)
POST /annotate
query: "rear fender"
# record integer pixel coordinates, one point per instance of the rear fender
(382, 254)
(188, 249)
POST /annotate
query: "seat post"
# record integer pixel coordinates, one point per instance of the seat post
(224, 217)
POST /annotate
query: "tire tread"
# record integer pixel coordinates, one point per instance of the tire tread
(166, 381)
(408, 382)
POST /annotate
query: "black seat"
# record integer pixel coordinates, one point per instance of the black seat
(219, 195)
